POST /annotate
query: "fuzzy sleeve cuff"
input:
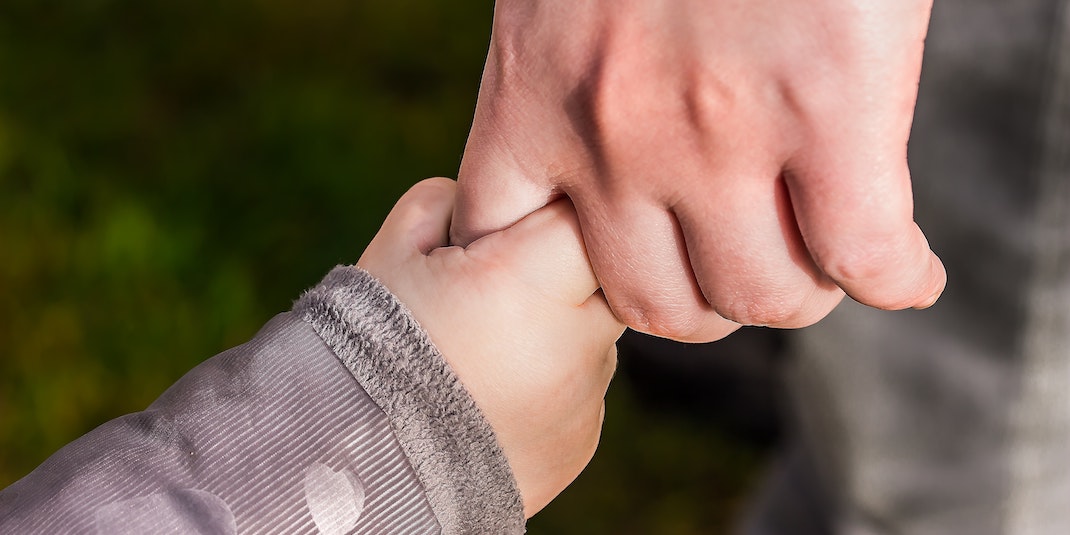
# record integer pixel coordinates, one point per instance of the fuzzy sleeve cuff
(455, 453)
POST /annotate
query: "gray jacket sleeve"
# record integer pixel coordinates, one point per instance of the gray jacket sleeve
(337, 417)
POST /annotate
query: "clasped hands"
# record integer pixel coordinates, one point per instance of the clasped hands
(729, 163)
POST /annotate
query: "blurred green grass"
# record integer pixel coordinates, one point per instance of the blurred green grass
(173, 173)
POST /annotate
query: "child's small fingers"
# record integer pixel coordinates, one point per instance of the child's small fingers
(546, 251)
(418, 223)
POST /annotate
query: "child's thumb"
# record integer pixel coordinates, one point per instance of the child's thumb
(418, 223)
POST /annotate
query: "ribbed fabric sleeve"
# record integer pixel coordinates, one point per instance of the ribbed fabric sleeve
(273, 436)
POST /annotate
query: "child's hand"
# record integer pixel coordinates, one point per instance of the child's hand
(519, 317)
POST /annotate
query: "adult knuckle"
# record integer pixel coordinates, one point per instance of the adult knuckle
(766, 310)
(664, 321)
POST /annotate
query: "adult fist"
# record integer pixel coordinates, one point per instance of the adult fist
(730, 162)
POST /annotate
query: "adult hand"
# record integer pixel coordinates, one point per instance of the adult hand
(731, 162)
(519, 317)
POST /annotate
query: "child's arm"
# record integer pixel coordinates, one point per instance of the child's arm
(342, 416)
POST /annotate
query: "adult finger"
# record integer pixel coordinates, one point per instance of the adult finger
(638, 252)
(749, 258)
(854, 208)
(850, 183)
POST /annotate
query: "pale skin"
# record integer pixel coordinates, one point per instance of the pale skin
(732, 162)
(519, 317)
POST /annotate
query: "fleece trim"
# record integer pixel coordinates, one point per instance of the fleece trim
(469, 483)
